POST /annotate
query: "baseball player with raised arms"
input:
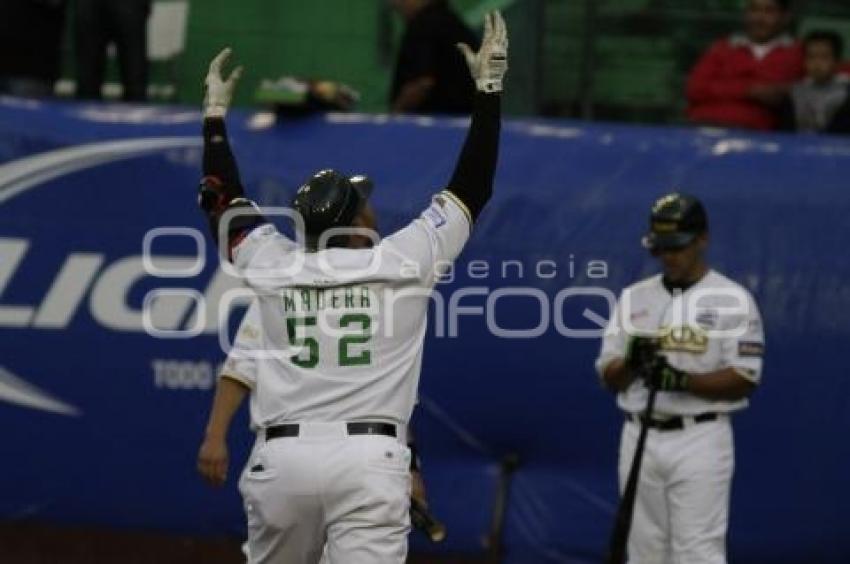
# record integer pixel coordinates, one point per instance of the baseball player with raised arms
(332, 376)
(697, 337)
(248, 333)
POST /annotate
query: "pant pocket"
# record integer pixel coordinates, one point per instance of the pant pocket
(387, 455)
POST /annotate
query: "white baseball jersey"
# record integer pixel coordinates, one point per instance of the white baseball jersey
(714, 324)
(337, 335)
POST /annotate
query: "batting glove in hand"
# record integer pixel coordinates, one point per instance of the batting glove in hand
(665, 378)
(219, 92)
(641, 354)
(489, 65)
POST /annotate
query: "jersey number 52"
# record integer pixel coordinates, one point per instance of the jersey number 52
(308, 357)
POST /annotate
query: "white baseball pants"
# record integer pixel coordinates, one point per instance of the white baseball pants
(682, 504)
(326, 490)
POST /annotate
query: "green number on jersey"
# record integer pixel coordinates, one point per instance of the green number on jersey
(310, 346)
(365, 357)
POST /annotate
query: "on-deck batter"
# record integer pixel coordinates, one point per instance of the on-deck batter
(708, 340)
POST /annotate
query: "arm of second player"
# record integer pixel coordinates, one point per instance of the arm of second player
(213, 459)
(726, 384)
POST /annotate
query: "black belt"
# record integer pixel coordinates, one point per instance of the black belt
(354, 428)
(674, 423)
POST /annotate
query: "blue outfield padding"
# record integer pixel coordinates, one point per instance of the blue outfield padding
(102, 421)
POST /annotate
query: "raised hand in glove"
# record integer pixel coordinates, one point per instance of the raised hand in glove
(219, 92)
(489, 65)
(664, 377)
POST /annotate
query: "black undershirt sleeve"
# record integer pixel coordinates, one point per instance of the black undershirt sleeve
(218, 157)
(221, 189)
(472, 180)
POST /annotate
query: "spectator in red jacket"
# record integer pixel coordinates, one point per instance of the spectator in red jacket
(742, 79)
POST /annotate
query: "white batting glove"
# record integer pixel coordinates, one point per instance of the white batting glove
(489, 65)
(219, 92)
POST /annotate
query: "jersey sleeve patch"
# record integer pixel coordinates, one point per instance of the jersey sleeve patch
(447, 196)
(750, 348)
(436, 215)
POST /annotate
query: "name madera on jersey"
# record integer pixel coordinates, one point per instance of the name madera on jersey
(318, 299)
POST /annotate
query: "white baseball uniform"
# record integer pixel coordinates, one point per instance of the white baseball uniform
(682, 504)
(335, 337)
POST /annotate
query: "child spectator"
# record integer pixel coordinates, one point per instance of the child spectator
(821, 102)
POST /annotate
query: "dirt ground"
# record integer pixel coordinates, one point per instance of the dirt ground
(42, 544)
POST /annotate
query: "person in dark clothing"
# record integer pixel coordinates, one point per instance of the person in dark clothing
(30, 46)
(821, 102)
(430, 74)
(101, 22)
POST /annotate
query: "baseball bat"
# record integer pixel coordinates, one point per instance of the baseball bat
(494, 540)
(623, 521)
(423, 520)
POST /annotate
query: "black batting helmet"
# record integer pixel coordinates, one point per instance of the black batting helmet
(330, 199)
(675, 222)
